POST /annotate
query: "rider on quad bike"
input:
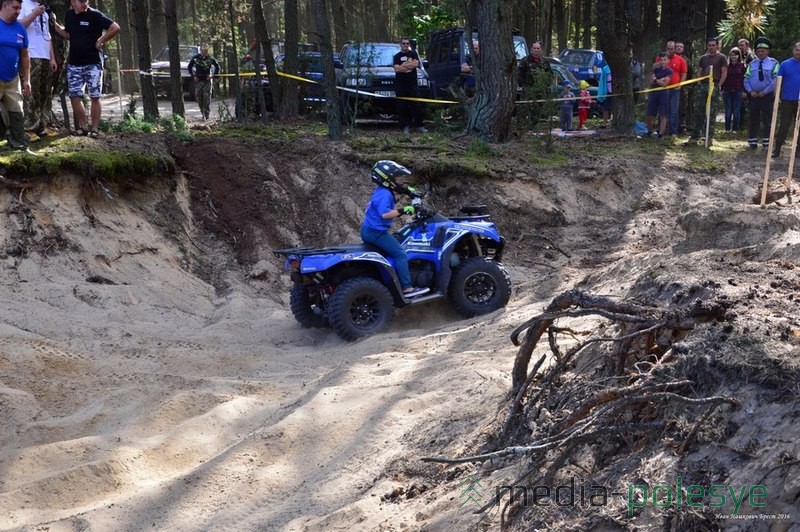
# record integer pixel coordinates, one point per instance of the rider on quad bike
(379, 215)
(354, 288)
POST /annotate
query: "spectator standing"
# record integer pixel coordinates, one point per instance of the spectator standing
(715, 63)
(658, 102)
(677, 65)
(790, 93)
(405, 64)
(747, 57)
(467, 78)
(733, 89)
(636, 77)
(87, 31)
(14, 71)
(584, 104)
(36, 19)
(533, 65)
(759, 82)
(203, 67)
(535, 78)
(604, 88)
(747, 54)
(566, 107)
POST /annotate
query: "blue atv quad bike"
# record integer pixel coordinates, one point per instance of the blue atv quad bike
(354, 288)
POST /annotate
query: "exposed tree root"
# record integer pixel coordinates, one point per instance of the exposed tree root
(624, 393)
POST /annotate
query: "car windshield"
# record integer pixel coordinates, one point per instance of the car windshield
(564, 74)
(306, 62)
(371, 55)
(520, 48)
(187, 52)
(580, 58)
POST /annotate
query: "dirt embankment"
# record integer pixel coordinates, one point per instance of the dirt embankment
(151, 375)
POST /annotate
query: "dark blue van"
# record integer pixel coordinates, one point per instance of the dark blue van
(583, 63)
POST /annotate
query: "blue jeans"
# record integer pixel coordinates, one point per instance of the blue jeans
(674, 108)
(733, 110)
(393, 249)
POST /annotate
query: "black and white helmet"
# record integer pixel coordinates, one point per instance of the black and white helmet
(384, 173)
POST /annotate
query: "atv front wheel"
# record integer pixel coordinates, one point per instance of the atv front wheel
(307, 306)
(360, 307)
(479, 286)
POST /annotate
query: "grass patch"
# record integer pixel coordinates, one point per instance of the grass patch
(68, 155)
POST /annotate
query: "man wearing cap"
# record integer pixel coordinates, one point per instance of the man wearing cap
(790, 93)
(759, 84)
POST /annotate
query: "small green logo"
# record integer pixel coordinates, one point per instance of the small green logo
(470, 493)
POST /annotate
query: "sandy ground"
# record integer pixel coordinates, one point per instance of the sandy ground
(136, 395)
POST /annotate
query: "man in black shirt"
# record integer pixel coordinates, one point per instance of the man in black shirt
(405, 63)
(202, 67)
(87, 30)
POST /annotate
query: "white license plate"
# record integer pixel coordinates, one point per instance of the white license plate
(384, 93)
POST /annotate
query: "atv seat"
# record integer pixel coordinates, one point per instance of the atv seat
(347, 248)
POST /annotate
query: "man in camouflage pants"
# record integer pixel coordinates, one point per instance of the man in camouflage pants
(36, 19)
(202, 68)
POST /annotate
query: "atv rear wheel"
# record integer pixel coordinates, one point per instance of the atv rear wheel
(479, 286)
(360, 307)
(307, 306)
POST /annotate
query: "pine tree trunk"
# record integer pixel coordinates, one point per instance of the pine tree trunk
(126, 56)
(489, 113)
(149, 102)
(320, 9)
(158, 29)
(262, 35)
(289, 107)
(586, 22)
(612, 38)
(175, 74)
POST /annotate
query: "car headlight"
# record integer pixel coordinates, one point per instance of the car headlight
(356, 82)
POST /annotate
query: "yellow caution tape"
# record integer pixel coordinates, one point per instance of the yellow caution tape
(430, 100)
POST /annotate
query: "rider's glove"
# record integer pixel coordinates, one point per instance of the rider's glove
(411, 191)
(408, 209)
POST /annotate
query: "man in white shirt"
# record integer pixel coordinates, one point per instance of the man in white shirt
(36, 19)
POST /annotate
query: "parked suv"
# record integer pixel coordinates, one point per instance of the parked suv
(160, 70)
(368, 67)
(584, 63)
(448, 50)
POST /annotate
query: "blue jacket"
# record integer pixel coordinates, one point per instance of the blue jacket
(790, 87)
(752, 78)
(381, 202)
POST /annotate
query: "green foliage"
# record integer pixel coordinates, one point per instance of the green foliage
(746, 18)
(72, 155)
(783, 28)
(479, 149)
(131, 123)
(419, 18)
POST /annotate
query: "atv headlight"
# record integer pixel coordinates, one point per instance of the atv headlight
(356, 82)
(422, 82)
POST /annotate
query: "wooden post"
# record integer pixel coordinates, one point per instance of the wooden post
(708, 101)
(792, 154)
(778, 82)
